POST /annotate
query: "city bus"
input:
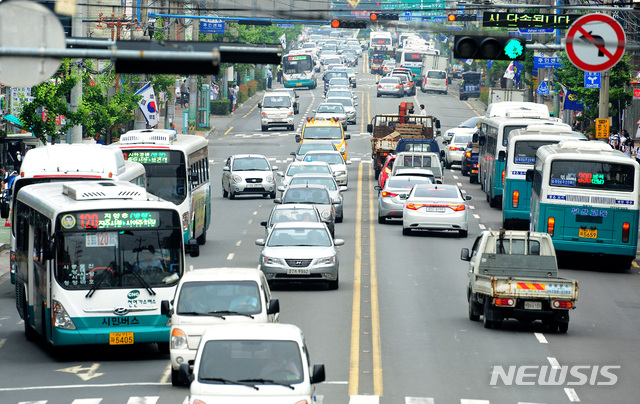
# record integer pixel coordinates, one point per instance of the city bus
(177, 168)
(412, 59)
(493, 140)
(68, 162)
(522, 145)
(585, 195)
(298, 70)
(94, 260)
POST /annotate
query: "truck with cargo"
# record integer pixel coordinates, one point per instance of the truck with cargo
(388, 130)
(506, 94)
(514, 274)
(433, 74)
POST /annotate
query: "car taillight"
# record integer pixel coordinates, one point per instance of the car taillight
(379, 85)
(468, 154)
(397, 86)
(453, 148)
(457, 208)
(516, 199)
(551, 224)
(503, 177)
(415, 206)
(505, 302)
(625, 232)
(561, 304)
(385, 194)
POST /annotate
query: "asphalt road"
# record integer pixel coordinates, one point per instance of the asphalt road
(396, 331)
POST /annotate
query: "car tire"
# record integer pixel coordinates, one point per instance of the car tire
(423, 90)
(473, 179)
(489, 323)
(473, 309)
(563, 328)
(265, 128)
(463, 233)
(292, 128)
(406, 231)
(175, 378)
(163, 347)
(382, 219)
(400, 95)
(339, 219)
(272, 195)
(334, 285)
(447, 165)
(224, 192)
(378, 95)
(354, 85)
(232, 195)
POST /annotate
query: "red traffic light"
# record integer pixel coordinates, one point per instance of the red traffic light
(452, 17)
(335, 24)
(373, 16)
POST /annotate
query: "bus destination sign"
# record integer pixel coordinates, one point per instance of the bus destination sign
(147, 157)
(528, 20)
(106, 220)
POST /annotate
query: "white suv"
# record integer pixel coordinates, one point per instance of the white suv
(276, 109)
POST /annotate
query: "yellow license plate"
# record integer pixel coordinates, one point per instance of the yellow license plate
(120, 338)
(298, 84)
(588, 233)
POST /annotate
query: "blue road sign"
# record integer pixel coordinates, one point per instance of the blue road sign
(543, 89)
(212, 27)
(591, 79)
(536, 30)
(285, 25)
(545, 62)
(453, 28)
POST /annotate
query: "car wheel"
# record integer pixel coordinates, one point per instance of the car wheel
(378, 95)
(382, 219)
(175, 378)
(400, 95)
(447, 165)
(563, 328)
(354, 85)
(224, 192)
(406, 232)
(339, 219)
(463, 233)
(292, 128)
(485, 322)
(272, 195)
(473, 309)
(423, 90)
(163, 348)
(334, 285)
(264, 128)
(231, 195)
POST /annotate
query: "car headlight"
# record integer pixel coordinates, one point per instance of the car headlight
(269, 179)
(327, 260)
(236, 178)
(61, 318)
(326, 214)
(270, 260)
(179, 339)
(343, 149)
(338, 173)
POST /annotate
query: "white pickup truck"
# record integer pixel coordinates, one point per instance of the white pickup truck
(514, 274)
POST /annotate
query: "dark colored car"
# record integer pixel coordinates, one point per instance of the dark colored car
(470, 85)
(470, 164)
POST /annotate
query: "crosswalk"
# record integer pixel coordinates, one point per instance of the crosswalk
(359, 399)
(263, 135)
(131, 400)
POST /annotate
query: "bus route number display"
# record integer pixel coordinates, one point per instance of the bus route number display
(110, 220)
(147, 157)
(588, 178)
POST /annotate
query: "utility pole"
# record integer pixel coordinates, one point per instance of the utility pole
(75, 133)
(556, 96)
(193, 81)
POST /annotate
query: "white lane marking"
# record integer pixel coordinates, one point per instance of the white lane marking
(87, 401)
(230, 256)
(82, 386)
(33, 402)
(459, 184)
(2, 342)
(250, 222)
(255, 212)
(238, 243)
(418, 400)
(481, 226)
(553, 362)
(455, 177)
(472, 207)
(573, 396)
(476, 216)
(364, 399)
(467, 401)
(464, 191)
(540, 337)
(143, 400)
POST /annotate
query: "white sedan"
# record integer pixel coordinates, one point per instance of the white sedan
(436, 207)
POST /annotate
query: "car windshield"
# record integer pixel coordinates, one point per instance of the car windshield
(323, 132)
(281, 101)
(250, 361)
(339, 81)
(330, 109)
(470, 123)
(435, 192)
(307, 195)
(293, 215)
(312, 237)
(338, 94)
(330, 75)
(308, 169)
(251, 164)
(331, 158)
(344, 101)
(389, 81)
(328, 182)
(406, 182)
(310, 146)
(204, 297)
(461, 139)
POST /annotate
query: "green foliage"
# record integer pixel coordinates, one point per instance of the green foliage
(620, 95)
(220, 107)
(159, 33)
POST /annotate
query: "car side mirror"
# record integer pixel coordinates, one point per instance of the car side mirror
(274, 306)
(318, 374)
(259, 105)
(377, 188)
(298, 138)
(263, 223)
(275, 168)
(226, 168)
(260, 242)
(281, 188)
(369, 128)
(464, 254)
(468, 197)
(165, 308)
(355, 104)
(338, 242)
(437, 124)
(501, 155)
(277, 200)
(280, 174)
(474, 138)
(343, 188)
(347, 137)
(403, 196)
(529, 176)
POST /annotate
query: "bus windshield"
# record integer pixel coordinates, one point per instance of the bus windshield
(525, 150)
(298, 64)
(596, 175)
(130, 258)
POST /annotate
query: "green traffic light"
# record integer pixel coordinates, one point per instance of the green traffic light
(513, 49)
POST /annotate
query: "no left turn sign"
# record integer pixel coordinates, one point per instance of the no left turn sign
(595, 42)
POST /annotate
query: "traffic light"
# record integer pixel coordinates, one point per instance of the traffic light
(462, 17)
(348, 24)
(383, 17)
(488, 47)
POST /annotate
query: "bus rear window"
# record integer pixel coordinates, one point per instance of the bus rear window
(525, 150)
(592, 175)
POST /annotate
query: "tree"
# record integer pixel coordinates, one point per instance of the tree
(620, 94)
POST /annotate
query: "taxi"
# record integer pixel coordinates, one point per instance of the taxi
(331, 129)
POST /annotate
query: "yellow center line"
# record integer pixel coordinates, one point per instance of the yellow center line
(375, 307)
(250, 111)
(354, 366)
(228, 130)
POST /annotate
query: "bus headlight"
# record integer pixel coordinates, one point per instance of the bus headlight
(61, 318)
(179, 339)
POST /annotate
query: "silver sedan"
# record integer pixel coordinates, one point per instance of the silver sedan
(390, 202)
(300, 252)
(436, 207)
(335, 192)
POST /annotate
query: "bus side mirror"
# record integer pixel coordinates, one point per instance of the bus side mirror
(165, 308)
(501, 155)
(48, 249)
(529, 175)
(369, 128)
(193, 177)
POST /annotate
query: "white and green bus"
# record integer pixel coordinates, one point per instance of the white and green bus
(94, 260)
(586, 195)
(177, 168)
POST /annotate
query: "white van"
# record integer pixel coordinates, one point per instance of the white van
(435, 80)
(206, 297)
(276, 109)
(251, 364)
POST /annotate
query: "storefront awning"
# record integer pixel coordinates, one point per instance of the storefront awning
(14, 120)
